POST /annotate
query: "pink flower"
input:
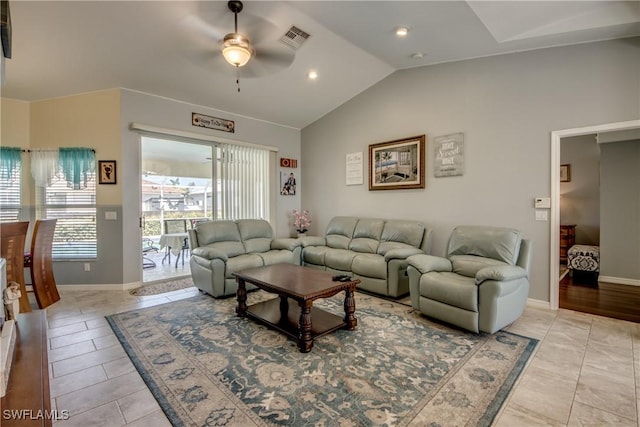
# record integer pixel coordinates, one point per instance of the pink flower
(301, 221)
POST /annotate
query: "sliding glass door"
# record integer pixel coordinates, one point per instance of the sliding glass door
(177, 179)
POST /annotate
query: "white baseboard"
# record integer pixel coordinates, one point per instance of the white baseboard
(619, 280)
(537, 303)
(101, 287)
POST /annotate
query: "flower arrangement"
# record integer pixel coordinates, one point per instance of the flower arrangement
(301, 221)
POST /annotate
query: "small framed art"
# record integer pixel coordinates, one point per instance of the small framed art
(107, 172)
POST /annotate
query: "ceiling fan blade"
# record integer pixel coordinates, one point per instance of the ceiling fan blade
(201, 28)
(268, 59)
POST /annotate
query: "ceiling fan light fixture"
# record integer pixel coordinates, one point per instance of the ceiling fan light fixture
(236, 49)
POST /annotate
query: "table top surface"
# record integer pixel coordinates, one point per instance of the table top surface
(295, 281)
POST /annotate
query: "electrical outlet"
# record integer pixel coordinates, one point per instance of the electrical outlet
(87, 266)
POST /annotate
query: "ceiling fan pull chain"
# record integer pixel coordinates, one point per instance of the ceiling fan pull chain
(238, 77)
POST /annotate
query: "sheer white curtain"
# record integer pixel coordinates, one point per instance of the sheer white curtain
(243, 182)
(44, 165)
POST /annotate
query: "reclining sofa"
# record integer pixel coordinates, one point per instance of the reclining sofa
(481, 285)
(370, 249)
(221, 248)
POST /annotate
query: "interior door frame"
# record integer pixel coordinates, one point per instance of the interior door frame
(554, 232)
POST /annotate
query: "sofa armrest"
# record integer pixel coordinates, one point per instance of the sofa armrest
(313, 241)
(426, 263)
(500, 273)
(210, 253)
(285, 243)
(401, 253)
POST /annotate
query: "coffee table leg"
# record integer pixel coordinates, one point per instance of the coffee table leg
(350, 309)
(284, 309)
(241, 294)
(305, 342)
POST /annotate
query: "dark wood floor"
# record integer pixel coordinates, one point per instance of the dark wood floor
(607, 299)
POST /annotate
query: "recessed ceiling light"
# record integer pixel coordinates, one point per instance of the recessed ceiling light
(312, 75)
(417, 55)
(402, 31)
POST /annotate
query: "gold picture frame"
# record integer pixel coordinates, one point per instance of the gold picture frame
(398, 164)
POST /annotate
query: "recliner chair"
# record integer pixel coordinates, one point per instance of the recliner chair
(481, 285)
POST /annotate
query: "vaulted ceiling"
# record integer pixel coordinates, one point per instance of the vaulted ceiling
(172, 48)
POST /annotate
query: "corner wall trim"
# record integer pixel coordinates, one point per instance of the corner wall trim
(100, 287)
(619, 280)
(538, 303)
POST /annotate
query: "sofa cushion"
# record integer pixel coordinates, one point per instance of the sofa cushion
(242, 262)
(340, 231)
(450, 289)
(370, 265)
(277, 257)
(499, 243)
(409, 232)
(256, 235)
(385, 247)
(219, 231)
(314, 254)
(366, 236)
(469, 265)
(339, 259)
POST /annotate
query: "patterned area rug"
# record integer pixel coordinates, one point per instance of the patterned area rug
(162, 287)
(207, 367)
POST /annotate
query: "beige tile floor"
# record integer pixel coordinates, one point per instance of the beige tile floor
(586, 369)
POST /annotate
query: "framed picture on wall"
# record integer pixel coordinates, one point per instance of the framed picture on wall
(397, 164)
(107, 172)
(565, 173)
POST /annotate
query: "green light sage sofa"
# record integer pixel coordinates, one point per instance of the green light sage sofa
(221, 248)
(481, 285)
(370, 249)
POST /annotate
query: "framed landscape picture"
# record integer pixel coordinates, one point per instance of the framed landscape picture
(397, 164)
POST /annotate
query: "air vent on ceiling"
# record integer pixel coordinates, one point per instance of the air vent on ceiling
(294, 37)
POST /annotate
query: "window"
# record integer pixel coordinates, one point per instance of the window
(75, 210)
(10, 199)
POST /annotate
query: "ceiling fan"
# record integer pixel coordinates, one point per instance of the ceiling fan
(254, 50)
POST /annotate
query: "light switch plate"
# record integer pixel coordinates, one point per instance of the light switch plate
(110, 215)
(541, 216)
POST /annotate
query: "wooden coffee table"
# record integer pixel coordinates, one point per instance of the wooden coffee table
(302, 321)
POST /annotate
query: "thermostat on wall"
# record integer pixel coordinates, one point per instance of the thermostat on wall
(542, 202)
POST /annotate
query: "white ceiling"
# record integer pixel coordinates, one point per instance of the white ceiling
(170, 48)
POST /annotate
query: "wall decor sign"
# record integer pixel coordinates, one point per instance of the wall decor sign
(397, 164)
(565, 173)
(354, 175)
(107, 172)
(210, 122)
(288, 163)
(449, 155)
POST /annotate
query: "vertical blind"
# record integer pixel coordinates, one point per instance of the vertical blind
(243, 179)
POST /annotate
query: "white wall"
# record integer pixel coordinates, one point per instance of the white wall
(505, 105)
(170, 114)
